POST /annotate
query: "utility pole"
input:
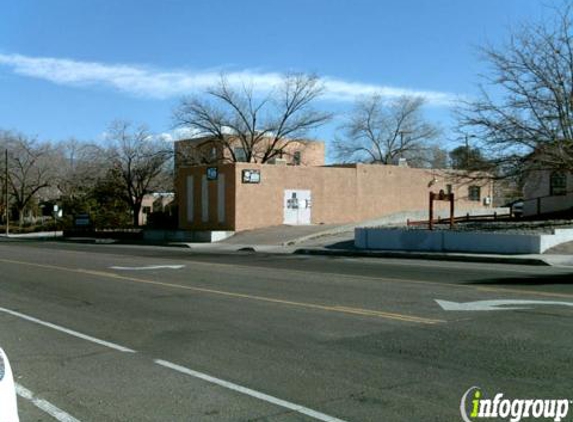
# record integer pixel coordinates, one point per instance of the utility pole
(467, 152)
(6, 192)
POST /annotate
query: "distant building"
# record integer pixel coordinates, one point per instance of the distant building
(547, 191)
(155, 203)
(207, 150)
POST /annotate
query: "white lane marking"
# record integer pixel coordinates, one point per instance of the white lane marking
(149, 267)
(226, 384)
(44, 405)
(496, 305)
(253, 393)
(68, 331)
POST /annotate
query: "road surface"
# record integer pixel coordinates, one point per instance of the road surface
(118, 333)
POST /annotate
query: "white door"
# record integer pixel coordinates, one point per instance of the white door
(297, 206)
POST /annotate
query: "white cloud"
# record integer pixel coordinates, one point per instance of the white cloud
(148, 82)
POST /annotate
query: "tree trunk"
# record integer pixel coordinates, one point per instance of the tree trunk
(136, 209)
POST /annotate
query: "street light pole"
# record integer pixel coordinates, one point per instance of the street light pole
(402, 133)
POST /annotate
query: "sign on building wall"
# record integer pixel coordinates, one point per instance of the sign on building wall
(212, 173)
(251, 176)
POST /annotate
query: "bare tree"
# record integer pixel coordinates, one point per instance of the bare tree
(380, 132)
(30, 169)
(430, 156)
(78, 166)
(262, 125)
(139, 161)
(526, 121)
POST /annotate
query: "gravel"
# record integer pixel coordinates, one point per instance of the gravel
(509, 227)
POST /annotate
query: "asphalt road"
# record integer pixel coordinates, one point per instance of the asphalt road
(254, 337)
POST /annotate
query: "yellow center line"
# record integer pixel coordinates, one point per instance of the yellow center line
(338, 309)
(404, 281)
(483, 288)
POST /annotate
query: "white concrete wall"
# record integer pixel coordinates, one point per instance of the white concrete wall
(452, 241)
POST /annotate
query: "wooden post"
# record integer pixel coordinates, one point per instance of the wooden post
(431, 225)
(452, 210)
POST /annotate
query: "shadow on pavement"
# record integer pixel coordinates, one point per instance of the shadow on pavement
(534, 280)
(347, 244)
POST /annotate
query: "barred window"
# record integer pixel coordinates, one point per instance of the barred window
(474, 193)
(297, 156)
(240, 155)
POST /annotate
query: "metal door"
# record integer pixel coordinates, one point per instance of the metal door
(297, 206)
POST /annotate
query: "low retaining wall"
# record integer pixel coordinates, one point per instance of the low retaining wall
(186, 235)
(458, 241)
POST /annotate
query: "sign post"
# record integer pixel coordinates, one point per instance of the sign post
(441, 196)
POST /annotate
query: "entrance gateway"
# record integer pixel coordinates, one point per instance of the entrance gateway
(297, 206)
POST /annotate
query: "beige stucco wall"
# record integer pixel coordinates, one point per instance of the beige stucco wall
(213, 222)
(339, 194)
(343, 194)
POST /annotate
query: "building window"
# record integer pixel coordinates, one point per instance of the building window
(474, 193)
(240, 155)
(147, 210)
(557, 183)
(296, 158)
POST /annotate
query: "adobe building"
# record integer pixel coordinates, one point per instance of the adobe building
(546, 192)
(205, 150)
(154, 203)
(243, 196)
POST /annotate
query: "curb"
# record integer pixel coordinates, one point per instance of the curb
(329, 232)
(426, 256)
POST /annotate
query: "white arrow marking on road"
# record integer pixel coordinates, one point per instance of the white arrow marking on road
(496, 305)
(149, 267)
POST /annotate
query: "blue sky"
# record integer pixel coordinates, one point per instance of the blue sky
(68, 67)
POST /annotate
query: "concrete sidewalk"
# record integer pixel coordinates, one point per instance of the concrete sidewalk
(32, 236)
(281, 235)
